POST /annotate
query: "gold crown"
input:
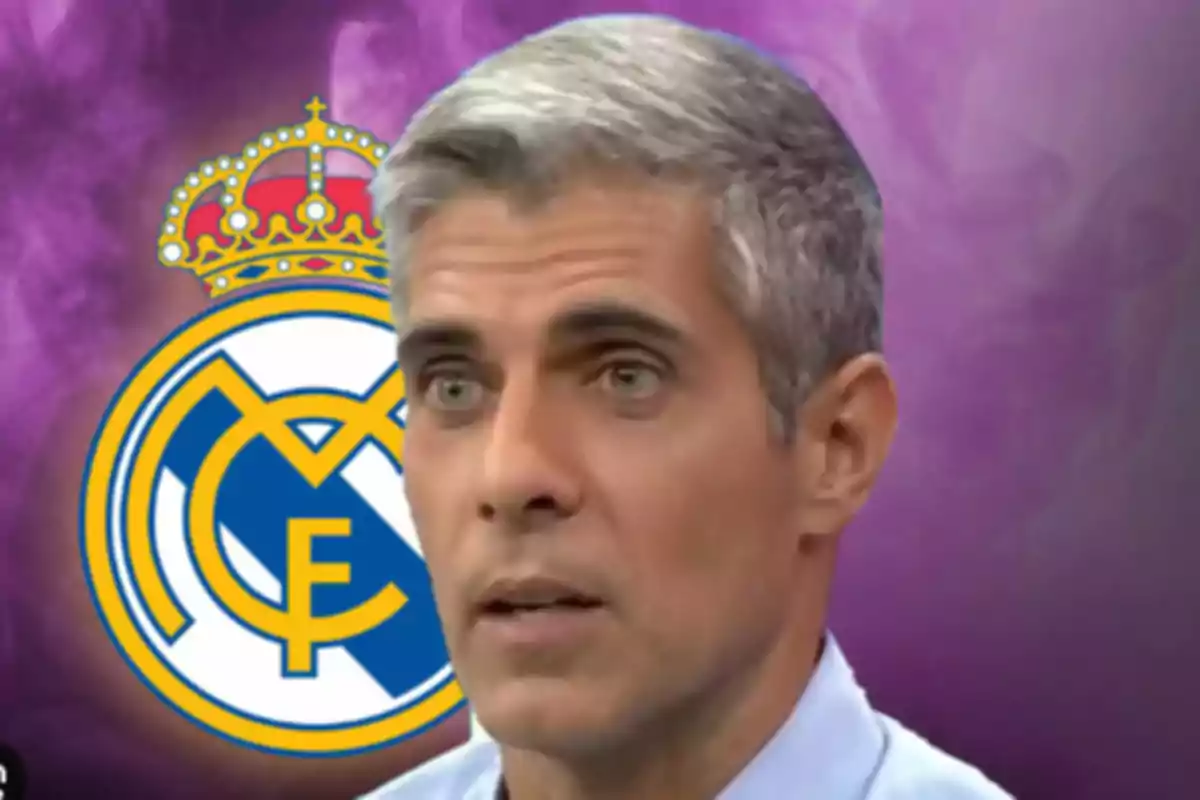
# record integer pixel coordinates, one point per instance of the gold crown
(277, 228)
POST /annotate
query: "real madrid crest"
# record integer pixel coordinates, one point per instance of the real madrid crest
(244, 528)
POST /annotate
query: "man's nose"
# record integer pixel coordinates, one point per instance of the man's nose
(526, 477)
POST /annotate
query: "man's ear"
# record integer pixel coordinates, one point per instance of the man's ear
(844, 435)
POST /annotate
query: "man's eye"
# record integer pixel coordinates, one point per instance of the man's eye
(631, 380)
(452, 392)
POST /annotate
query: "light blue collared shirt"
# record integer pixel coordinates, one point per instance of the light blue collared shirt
(833, 747)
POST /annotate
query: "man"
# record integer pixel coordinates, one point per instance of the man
(637, 284)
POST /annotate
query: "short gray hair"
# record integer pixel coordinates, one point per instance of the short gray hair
(796, 211)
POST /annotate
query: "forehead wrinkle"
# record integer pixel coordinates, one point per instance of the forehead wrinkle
(579, 219)
(631, 243)
(484, 257)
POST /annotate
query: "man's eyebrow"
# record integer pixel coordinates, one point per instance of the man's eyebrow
(581, 322)
(612, 316)
(422, 337)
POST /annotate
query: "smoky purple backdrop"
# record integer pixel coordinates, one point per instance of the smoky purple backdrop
(1023, 587)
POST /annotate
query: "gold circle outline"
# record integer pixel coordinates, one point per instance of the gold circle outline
(107, 595)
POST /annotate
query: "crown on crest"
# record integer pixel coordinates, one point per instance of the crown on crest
(277, 228)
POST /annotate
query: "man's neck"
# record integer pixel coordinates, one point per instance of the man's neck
(692, 756)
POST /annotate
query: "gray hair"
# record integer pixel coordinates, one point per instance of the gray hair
(797, 214)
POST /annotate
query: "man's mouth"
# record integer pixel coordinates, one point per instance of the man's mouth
(511, 598)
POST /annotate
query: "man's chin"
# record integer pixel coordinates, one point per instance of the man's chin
(547, 715)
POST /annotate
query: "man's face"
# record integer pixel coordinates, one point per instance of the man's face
(607, 520)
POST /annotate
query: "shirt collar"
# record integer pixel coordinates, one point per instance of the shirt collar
(830, 747)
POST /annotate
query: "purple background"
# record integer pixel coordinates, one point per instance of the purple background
(1023, 587)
